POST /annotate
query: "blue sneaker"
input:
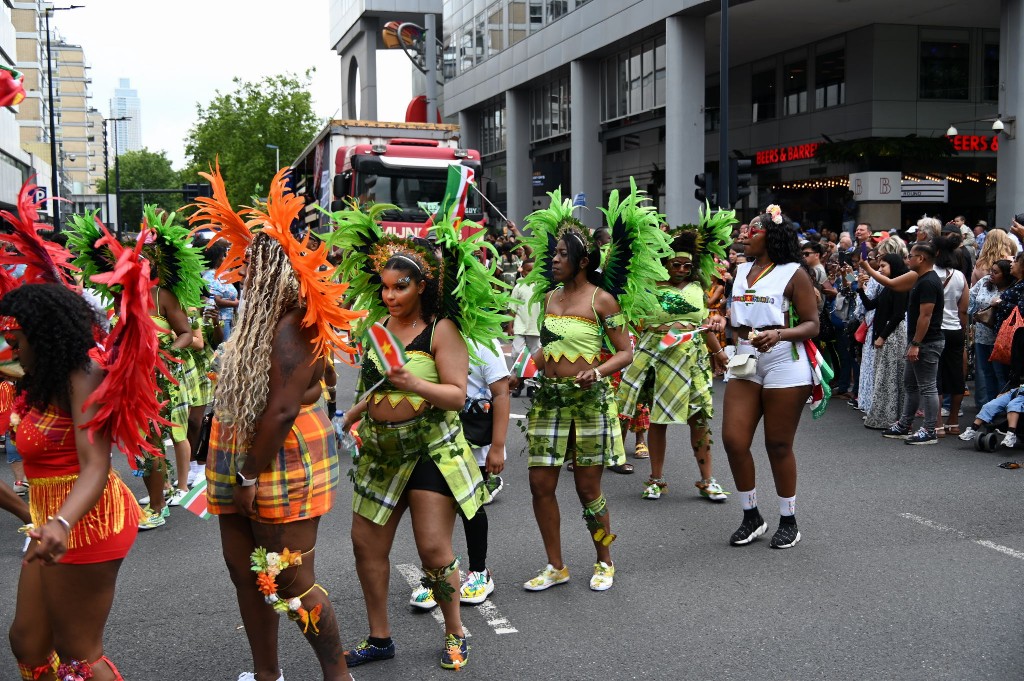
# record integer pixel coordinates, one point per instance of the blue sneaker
(896, 432)
(364, 652)
(456, 653)
(922, 437)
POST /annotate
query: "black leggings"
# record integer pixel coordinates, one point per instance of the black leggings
(476, 536)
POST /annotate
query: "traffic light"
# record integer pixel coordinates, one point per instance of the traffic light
(739, 179)
(705, 187)
(190, 191)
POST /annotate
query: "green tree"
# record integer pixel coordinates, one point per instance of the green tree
(143, 169)
(237, 127)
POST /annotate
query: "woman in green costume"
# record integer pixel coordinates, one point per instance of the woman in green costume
(674, 376)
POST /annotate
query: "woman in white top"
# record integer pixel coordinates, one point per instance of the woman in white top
(767, 291)
(956, 295)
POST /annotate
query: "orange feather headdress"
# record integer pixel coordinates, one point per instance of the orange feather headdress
(321, 295)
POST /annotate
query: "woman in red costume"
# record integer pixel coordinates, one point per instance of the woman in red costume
(85, 519)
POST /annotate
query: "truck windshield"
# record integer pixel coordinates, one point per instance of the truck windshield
(417, 194)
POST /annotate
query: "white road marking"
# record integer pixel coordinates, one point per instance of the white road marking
(1013, 553)
(412, 575)
(517, 416)
(495, 619)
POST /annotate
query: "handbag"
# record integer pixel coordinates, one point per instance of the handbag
(204, 437)
(986, 316)
(1002, 349)
(861, 334)
(477, 422)
(742, 366)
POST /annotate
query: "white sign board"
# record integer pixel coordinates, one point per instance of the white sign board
(925, 191)
(876, 186)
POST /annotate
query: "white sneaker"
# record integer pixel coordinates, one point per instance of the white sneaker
(422, 598)
(144, 501)
(968, 434)
(176, 497)
(249, 676)
(945, 412)
(604, 576)
(1010, 440)
(476, 587)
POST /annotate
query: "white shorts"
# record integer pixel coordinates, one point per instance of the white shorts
(777, 368)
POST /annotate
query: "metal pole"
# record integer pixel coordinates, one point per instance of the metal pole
(431, 74)
(55, 187)
(106, 173)
(117, 182)
(277, 159)
(723, 111)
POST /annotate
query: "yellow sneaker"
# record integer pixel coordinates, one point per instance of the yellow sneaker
(548, 578)
(604, 575)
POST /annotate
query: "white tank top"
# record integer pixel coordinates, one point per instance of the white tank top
(763, 304)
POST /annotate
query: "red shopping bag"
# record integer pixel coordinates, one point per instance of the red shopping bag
(1004, 339)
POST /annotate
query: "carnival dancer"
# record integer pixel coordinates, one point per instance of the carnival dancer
(74, 402)
(675, 378)
(574, 414)
(774, 310)
(272, 467)
(413, 453)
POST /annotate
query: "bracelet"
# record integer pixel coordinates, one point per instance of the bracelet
(779, 331)
(597, 373)
(60, 519)
(720, 351)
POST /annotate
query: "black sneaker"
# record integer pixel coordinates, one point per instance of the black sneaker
(896, 432)
(752, 527)
(366, 652)
(787, 535)
(922, 437)
(455, 654)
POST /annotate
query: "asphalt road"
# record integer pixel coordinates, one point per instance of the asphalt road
(910, 568)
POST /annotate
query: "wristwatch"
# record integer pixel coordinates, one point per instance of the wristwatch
(243, 481)
(915, 343)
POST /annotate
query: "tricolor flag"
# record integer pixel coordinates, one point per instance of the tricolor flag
(195, 500)
(524, 366)
(459, 179)
(12, 86)
(676, 336)
(821, 375)
(390, 351)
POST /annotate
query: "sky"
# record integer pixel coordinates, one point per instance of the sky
(180, 53)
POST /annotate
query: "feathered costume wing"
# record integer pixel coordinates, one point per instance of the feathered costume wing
(633, 263)
(44, 261)
(541, 237)
(228, 226)
(177, 264)
(714, 237)
(128, 408)
(87, 240)
(322, 296)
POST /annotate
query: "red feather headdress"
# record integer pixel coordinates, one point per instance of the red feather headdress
(44, 261)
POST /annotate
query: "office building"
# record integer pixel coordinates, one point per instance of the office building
(126, 135)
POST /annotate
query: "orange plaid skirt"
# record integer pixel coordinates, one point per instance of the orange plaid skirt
(300, 481)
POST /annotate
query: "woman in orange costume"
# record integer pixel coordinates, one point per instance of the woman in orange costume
(273, 464)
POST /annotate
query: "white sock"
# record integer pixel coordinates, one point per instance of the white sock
(787, 505)
(748, 499)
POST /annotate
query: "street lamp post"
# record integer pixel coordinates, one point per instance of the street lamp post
(277, 156)
(55, 188)
(106, 163)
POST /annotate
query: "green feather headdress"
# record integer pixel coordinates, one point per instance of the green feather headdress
(177, 263)
(471, 296)
(714, 237)
(543, 230)
(84, 235)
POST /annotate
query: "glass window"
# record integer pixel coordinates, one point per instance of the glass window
(557, 8)
(536, 15)
(990, 73)
(794, 87)
(659, 73)
(495, 29)
(945, 69)
(635, 103)
(517, 24)
(480, 51)
(762, 91)
(647, 81)
(712, 111)
(466, 48)
(830, 79)
(622, 81)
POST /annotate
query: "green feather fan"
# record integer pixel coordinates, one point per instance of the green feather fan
(178, 264)
(83, 234)
(541, 237)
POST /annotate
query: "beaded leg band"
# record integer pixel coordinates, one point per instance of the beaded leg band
(30, 673)
(436, 579)
(592, 510)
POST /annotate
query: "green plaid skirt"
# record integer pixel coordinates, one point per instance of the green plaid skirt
(390, 452)
(676, 383)
(200, 388)
(559, 405)
(177, 398)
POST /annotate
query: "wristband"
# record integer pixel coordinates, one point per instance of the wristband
(915, 343)
(60, 519)
(597, 373)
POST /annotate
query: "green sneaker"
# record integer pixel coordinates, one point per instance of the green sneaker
(422, 598)
(455, 654)
(150, 519)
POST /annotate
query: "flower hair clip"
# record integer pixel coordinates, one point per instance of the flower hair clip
(776, 212)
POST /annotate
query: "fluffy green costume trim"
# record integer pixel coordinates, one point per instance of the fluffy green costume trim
(541, 237)
(177, 263)
(83, 236)
(633, 264)
(471, 296)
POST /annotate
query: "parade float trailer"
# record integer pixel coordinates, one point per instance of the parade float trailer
(405, 164)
